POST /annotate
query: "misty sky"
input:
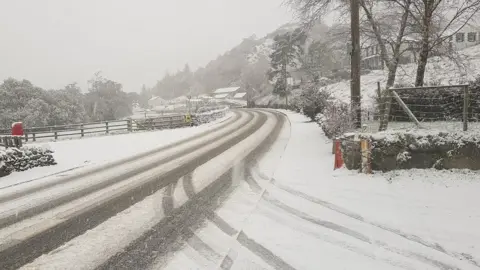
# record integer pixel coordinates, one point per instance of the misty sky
(56, 42)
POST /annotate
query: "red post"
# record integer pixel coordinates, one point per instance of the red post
(338, 155)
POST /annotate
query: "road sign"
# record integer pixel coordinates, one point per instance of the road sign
(188, 118)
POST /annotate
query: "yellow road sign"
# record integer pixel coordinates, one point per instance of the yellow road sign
(188, 118)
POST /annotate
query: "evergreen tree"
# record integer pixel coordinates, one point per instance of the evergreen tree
(287, 49)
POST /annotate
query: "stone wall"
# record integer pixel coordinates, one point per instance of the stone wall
(405, 150)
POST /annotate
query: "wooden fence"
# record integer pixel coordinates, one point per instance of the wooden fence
(108, 127)
(11, 141)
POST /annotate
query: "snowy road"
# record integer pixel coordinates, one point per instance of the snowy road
(40, 216)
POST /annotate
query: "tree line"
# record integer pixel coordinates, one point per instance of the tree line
(22, 101)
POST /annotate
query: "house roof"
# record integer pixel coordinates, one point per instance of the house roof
(221, 96)
(155, 98)
(181, 98)
(239, 95)
(226, 90)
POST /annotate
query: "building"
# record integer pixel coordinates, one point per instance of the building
(156, 101)
(230, 93)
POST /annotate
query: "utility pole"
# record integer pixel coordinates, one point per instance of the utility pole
(285, 80)
(355, 98)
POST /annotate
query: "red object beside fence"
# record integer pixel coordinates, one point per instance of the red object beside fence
(17, 129)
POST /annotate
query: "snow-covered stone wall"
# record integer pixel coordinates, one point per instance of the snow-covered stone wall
(421, 150)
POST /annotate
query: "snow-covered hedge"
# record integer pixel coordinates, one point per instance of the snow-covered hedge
(13, 159)
(415, 149)
(202, 118)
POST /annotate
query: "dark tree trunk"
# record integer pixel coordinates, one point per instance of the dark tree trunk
(425, 42)
(422, 62)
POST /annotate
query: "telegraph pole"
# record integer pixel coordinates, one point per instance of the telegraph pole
(355, 98)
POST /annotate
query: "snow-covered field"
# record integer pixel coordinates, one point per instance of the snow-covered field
(72, 155)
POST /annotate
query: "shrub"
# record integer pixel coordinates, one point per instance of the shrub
(13, 159)
(313, 101)
(335, 119)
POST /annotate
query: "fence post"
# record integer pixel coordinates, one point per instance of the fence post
(106, 127)
(56, 135)
(33, 137)
(5, 141)
(81, 130)
(17, 141)
(129, 125)
(465, 107)
(26, 136)
(405, 108)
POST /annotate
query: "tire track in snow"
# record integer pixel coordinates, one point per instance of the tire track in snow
(357, 235)
(410, 237)
(169, 236)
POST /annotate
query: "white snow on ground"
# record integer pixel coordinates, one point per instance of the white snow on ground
(74, 154)
(311, 217)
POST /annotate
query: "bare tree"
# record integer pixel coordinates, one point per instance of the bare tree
(438, 20)
(390, 38)
(376, 26)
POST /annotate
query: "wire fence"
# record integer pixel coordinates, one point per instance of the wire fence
(451, 108)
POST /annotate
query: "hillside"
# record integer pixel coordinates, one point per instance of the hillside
(244, 65)
(440, 71)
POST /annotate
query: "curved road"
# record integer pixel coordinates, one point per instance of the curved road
(192, 175)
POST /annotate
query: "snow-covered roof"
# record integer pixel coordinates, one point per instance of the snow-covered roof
(239, 95)
(226, 90)
(181, 98)
(220, 96)
(155, 98)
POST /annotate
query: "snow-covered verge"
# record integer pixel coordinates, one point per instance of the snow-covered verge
(13, 159)
(74, 155)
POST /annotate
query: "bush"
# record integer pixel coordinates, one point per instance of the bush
(313, 101)
(335, 119)
(13, 159)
